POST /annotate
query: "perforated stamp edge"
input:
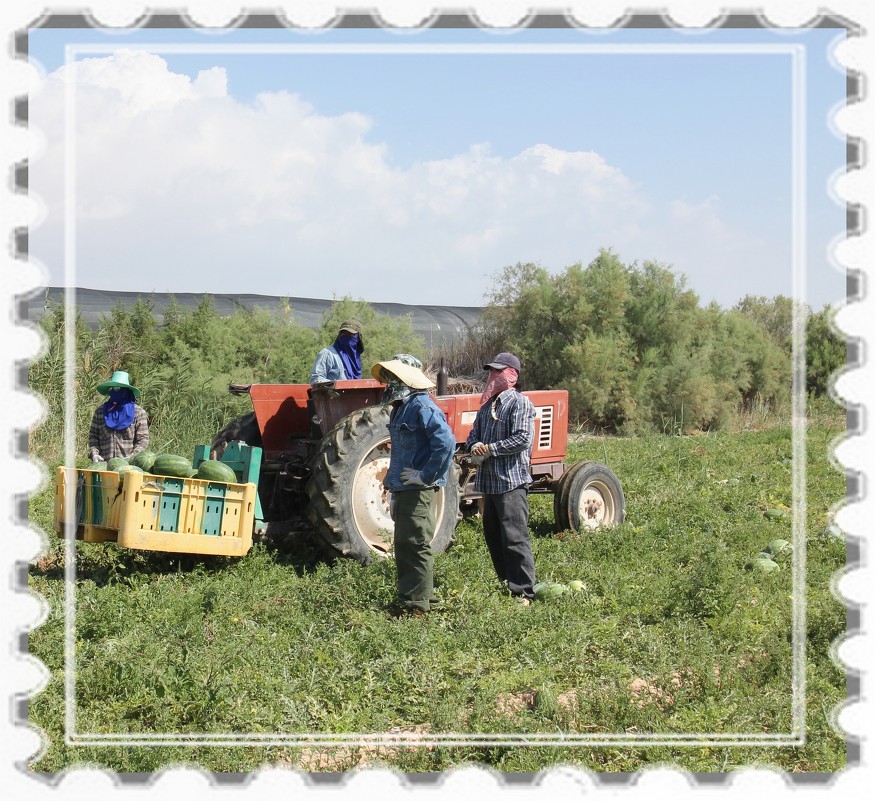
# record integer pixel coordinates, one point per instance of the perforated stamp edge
(846, 387)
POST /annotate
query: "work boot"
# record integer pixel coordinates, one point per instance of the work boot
(521, 600)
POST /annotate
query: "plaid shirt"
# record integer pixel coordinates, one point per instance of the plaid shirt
(507, 425)
(109, 444)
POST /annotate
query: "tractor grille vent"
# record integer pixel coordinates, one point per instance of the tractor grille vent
(545, 432)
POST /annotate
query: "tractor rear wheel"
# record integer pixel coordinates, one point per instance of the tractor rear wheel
(589, 495)
(348, 506)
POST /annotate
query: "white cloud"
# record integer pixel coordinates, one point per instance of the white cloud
(704, 215)
(181, 187)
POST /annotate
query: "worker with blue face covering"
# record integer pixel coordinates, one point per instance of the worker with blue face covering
(341, 360)
(119, 427)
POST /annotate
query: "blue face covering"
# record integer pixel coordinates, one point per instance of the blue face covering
(348, 346)
(118, 411)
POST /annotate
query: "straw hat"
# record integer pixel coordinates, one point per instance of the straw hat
(405, 373)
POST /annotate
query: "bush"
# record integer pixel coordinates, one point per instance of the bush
(635, 349)
(825, 352)
(183, 365)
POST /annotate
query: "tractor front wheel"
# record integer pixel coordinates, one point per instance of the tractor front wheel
(589, 495)
(348, 506)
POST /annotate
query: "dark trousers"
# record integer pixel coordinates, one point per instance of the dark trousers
(506, 529)
(414, 561)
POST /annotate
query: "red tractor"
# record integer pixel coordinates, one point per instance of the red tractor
(325, 452)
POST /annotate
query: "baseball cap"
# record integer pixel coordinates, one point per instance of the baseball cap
(503, 360)
(351, 326)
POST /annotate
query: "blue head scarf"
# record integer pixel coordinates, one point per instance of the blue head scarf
(349, 348)
(118, 411)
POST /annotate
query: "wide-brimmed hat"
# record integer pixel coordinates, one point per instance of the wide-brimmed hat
(503, 360)
(405, 373)
(120, 380)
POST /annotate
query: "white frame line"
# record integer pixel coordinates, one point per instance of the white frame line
(799, 200)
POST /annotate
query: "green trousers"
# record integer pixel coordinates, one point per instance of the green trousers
(414, 531)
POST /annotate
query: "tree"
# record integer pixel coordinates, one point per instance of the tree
(825, 351)
(775, 315)
(634, 348)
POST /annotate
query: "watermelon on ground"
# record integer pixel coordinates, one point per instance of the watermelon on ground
(547, 590)
(779, 548)
(765, 565)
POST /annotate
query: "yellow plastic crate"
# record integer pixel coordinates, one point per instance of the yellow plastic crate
(96, 503)
(186, 515)
(158, 513)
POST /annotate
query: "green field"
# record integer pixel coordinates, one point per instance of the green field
(671, 634)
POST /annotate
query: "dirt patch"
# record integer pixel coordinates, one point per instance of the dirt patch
(570, 699)
(651, 693)
(510, 704)
(347, 757)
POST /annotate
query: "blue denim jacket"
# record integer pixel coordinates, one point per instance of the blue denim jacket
(421, 439)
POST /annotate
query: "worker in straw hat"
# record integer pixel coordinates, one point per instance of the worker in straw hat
(422, 447)
(119, 426)
(343, 358)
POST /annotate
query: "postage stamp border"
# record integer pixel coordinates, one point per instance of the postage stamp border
(469, 17)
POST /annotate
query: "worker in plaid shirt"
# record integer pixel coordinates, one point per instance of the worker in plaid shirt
(119, 426)
(501, 441)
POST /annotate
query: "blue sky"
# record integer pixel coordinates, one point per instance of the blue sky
(420, 175)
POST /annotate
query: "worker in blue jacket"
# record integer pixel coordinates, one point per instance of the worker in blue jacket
(422, 447)
(342, 359)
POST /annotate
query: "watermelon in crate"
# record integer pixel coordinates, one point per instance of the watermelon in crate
(170, 464)
(212, 470)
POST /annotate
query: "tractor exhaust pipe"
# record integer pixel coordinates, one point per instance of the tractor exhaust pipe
(442, 377)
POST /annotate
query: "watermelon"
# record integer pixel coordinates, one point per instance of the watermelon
(143, 460)
(192, 473)
(546, 590)
(128, 468)
(576, 586)
(116, 462)
(212, 470)
(775, 514)
(545, 702)
(98, 466)
(778, 548)
(169, 464)
(765, 565)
